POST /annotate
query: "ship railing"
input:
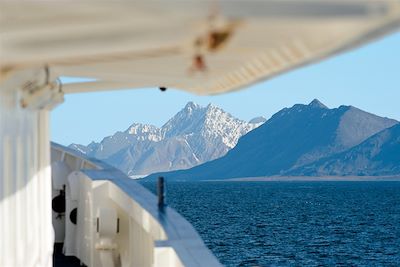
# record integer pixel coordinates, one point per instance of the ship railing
(109, 219)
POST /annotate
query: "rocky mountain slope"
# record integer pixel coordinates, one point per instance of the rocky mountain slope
(379, 155)
(292, 138)
(193, 136)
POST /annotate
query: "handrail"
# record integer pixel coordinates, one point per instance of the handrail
(173, 240)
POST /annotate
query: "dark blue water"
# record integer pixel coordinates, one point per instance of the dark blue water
(294, 223)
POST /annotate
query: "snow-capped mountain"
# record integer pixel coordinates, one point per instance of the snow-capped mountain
(112, 144)
(193, 136)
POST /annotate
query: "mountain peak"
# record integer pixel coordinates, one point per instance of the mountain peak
(191, 106)
(213, 112)
(317, 104)
(258, 120)
(139, 128)
(212, 106)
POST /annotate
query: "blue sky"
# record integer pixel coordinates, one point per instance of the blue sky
(368, 78)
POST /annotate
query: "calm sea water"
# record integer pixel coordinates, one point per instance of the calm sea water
(294, 223)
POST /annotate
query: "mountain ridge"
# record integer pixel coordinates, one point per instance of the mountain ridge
(194, 135)
(291, 138)
(378, 155)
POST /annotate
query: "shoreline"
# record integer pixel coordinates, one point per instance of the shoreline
(391, 178)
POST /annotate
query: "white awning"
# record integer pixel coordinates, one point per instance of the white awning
(205, 47)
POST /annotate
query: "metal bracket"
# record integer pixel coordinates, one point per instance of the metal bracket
(41, 94)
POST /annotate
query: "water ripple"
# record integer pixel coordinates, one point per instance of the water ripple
(292, 224)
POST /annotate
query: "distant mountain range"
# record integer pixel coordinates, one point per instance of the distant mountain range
(308, 140)
(193, 136)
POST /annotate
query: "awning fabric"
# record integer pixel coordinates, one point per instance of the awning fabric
(205, 47)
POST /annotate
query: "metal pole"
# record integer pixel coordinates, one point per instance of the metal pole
(161, 192)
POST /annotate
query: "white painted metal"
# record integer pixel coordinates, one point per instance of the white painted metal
(108, 200)
(136, 44)
(71, 202)
(58, 181)
(62, 170)
(107, 220)
(26, 233)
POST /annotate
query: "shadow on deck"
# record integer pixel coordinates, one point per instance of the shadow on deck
(60, 260)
